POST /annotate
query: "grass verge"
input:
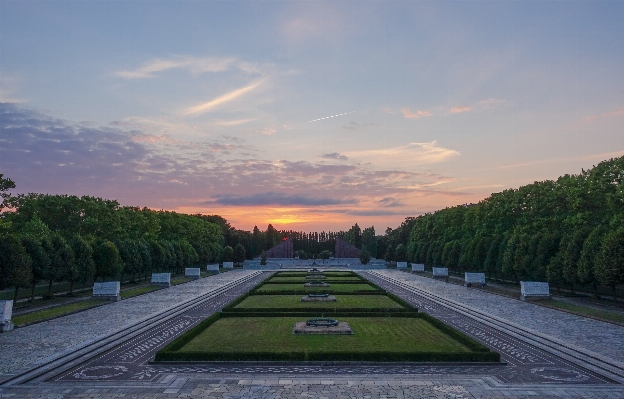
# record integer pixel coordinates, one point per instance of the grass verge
(289, 302)
(46, 314)
(138, 291)
(604, 315)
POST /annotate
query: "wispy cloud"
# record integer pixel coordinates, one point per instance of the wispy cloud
(414, 115)
(196, 65)
(234, 122)
(460, 109)
(491, 103)
(336, 156)
(223, 99)
(614, 113)
(413, 153)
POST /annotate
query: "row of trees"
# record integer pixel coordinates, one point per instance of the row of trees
(568, 232)
(61, 238)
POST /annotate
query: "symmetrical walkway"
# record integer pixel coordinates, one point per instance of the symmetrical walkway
(123, 370)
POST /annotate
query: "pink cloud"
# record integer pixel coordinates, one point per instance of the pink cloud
(417, 115)
(460, 109)
(614, 113)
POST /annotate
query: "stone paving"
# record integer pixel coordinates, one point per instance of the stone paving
(604, 338)
(24, 346)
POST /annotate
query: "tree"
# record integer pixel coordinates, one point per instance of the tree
(263, 258)
(239, 253)
(364, 257)
(40, 261)
(62, 261)
(589, 254)
(107, 260)
(325, 254)
(369, 240)
(15, 265)
(228, 254)
(610, 261)
(389, 256)
(84, 265)
(400, 253)
(5, 185)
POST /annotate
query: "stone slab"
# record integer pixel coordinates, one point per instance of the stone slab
(329, 298)
(534, 290)
(228, 265)
(192, 272)
(440, 272)
(343, 328)
(474, 278)
(161, 279)
(107, 290)
(418, 267)
(6, 311)
(212, 268)
(401, 265)
(324, 285)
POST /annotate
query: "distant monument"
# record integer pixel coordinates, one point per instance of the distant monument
(282, 250)
(346, 250)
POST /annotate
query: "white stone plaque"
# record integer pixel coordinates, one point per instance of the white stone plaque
(228, 265)
(6, 310)
(440, 272)
(193, 272)
(213, 268)
(474, 278)
(534, 290)
(418, 267)
(163, 279)
(401, 265)
(108, 290)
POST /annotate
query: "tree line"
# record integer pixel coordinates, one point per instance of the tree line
(568, 231)
(62, 238)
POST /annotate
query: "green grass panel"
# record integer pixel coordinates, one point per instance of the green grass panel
(342, 301)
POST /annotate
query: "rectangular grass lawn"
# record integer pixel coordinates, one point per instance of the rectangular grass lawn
(294, 301)
(280, 279)
(374, 338)
(332, 288)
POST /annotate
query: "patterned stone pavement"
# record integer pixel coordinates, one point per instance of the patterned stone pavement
(317, 381)
(24, 346)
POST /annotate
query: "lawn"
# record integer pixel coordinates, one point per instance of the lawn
(332, 288)
(303, 279)
(374, 338)
(293, 301)
(58, 311)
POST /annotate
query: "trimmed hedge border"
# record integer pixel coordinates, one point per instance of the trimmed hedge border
(319, 313)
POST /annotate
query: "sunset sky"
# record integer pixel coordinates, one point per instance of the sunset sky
(308, 115)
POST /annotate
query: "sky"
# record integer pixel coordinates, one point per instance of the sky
(309, 115)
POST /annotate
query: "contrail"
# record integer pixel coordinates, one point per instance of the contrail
(333, 116)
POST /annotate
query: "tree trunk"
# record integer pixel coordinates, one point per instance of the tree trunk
(596, 291)
(614, 293)
(572, 288)
(50, 287)
(71, 288)
(32, 294)
(15, 296)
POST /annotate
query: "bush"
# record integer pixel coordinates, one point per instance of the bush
(364, 257)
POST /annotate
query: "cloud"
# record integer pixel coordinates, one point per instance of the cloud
(233, 122)
(223, 99)
(357, 126)
(413, 153)
(335, 155)
(410, 115)
(195, 64)
(389, 202)
(460, 109)
(278, 199)
(491, 103)
(614, 113)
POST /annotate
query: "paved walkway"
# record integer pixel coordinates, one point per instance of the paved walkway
(604, 338)
(27, 345)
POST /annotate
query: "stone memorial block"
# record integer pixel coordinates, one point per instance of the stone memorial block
(418, 267)
(213, 268)
(192, 272)
(534, 290)
(477, 279)
(440, 272)
(6, 311)
(108, 290)
(161, 279)
(401, 265)
(228, 265)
